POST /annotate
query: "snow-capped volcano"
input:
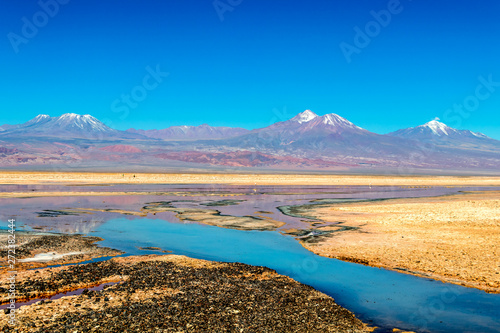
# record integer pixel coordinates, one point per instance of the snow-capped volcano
(310, 134)
(308, 120)
(41, 118)
(435, 130)
(304, 117)
(66, 125)
(334, 120)
(438, 127)
(76, 121)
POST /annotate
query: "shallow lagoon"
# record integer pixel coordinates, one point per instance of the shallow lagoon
(383, 298)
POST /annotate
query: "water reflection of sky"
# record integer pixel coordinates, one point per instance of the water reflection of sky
(256, 200)
(388, 299)
(385, 298)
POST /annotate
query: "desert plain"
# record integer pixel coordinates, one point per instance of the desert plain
(29, 177)
(452, 238)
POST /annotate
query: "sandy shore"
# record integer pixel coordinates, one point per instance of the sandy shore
(450, 238)
(18, 177)
(175, 294)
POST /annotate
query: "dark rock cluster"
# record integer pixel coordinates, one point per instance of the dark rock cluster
(220, 298)
(57, 242)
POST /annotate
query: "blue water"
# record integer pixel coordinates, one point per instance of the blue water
(380, 297)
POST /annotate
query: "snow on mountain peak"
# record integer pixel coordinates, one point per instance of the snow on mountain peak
(438, 127)
(480, 135)
(39, 118)
(336, 120)
(85, 122)
(304, 117)
(69, 115)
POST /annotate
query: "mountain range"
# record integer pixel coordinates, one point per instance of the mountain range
(305, 142)
(184, 132)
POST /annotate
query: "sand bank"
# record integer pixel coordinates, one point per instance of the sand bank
(450, 238)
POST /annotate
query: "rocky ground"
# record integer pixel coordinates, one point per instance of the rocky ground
(175, 294)
(65, 248)
(450, 238)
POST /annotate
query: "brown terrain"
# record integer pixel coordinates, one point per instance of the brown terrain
(167, 293)
(127, 149)
(38, 250)
(450, 238)
(246, 159)
(28, 177)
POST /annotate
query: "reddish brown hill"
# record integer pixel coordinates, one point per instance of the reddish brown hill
(122, 149)
(7, 151)
(244, 159)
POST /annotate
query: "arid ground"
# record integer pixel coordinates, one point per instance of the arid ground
(17, 177)
(451, 238)
(166, 293)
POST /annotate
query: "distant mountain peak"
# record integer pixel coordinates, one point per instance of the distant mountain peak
(82, 122)
(309, 121)
(438, 127)
(66, 125)
(436, 130)
(42, 116)
(337, 121)
(304, 117)
(39, 119)
(77, 117)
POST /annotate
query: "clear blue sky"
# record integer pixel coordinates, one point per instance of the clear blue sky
(265, 61)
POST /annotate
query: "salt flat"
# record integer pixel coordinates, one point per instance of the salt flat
(28, 177)
(450, 238)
